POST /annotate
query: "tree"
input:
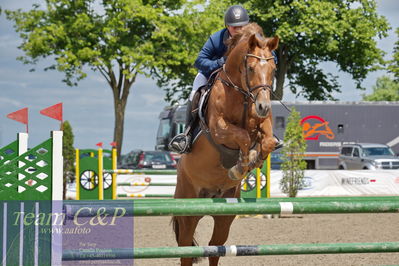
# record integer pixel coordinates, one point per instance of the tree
(385, 89)
(293, 165)
(119, 39)
(192, 33)
(313, 32)
(393, 66)
(68, 152)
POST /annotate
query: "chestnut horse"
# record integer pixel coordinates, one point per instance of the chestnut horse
(239, 117)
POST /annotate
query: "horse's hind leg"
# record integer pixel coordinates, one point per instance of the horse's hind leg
(184, 226)
(187, 225)
(221, 231)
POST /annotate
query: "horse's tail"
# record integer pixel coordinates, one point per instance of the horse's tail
(175, 224)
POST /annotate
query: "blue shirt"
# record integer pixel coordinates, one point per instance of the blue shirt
(210, 57)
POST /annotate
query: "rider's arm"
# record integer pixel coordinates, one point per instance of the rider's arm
(208, 59)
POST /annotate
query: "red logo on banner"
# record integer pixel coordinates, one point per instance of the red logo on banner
(54, 111)
(313, 126)
(20, 116)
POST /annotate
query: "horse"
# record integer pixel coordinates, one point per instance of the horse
(239, 117)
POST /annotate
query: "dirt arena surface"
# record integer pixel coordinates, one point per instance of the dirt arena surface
(310, 228)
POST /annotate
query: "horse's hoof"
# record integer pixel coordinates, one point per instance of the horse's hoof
(234, 173)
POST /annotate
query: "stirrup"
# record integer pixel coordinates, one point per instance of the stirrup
(180, 143)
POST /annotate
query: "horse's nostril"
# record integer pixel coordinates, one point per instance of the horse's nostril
(263, 107)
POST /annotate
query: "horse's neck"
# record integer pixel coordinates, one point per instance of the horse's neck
(232, 73)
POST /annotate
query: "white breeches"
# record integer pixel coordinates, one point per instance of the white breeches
(200, 80)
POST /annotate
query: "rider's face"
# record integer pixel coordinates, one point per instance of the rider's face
(233, 30)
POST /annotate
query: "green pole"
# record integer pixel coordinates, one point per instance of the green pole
(224, 200)
(220, 251)
(182, 208)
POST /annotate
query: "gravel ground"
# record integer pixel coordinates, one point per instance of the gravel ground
(310, 228)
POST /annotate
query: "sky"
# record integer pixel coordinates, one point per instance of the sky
(89, 106)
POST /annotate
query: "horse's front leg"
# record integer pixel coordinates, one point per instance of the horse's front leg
(224, 133)
(267, 142)
(267, 146)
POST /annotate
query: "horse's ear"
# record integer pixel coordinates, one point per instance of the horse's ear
(272, 43)
(253, 42)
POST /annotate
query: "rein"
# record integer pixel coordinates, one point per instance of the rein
(247, 93)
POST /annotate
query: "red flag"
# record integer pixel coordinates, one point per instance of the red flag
(20, 116)
(54, 111)
(100, 144)
(113, 144)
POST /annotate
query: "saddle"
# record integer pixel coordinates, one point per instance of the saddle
(228, 157)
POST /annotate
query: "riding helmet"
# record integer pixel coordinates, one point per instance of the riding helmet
(236, 16)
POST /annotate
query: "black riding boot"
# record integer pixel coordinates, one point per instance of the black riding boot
(181, 143)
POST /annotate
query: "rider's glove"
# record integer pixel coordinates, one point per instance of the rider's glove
(221, 61)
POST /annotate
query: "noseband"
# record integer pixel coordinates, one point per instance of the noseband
(247, 93)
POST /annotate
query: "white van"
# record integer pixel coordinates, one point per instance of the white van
(367, 156)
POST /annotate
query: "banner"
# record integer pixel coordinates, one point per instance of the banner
(318, 183)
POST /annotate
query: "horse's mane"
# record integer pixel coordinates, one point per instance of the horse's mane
(245, 32)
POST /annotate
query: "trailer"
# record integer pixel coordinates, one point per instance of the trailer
(326, 126)
(171, 122)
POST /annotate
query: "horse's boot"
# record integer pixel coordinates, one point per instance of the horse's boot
(181, 143)
(279, 143)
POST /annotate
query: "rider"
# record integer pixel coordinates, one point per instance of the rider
(210, 58)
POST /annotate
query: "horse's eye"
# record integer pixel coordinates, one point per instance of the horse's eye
(251, 69)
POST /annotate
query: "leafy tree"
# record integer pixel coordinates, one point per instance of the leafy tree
(68, 152)
(120, 39)
(385, 89)
(317, 31)
(393, 66)
(293, 165)
(189, 37)
(313, 32)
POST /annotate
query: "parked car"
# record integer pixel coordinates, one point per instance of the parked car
(367, 156)
(139, 159)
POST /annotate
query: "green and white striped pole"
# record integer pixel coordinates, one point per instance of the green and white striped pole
(221, 251)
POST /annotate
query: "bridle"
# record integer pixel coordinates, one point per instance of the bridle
(248, 94)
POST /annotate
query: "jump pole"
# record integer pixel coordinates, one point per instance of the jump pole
(268, 167)
(114, 164)
(239, 250)
(77, 173)
(100, 175)
(258, 193)
(190, 208)
(125, 202)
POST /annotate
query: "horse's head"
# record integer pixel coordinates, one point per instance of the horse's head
(250, 57)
